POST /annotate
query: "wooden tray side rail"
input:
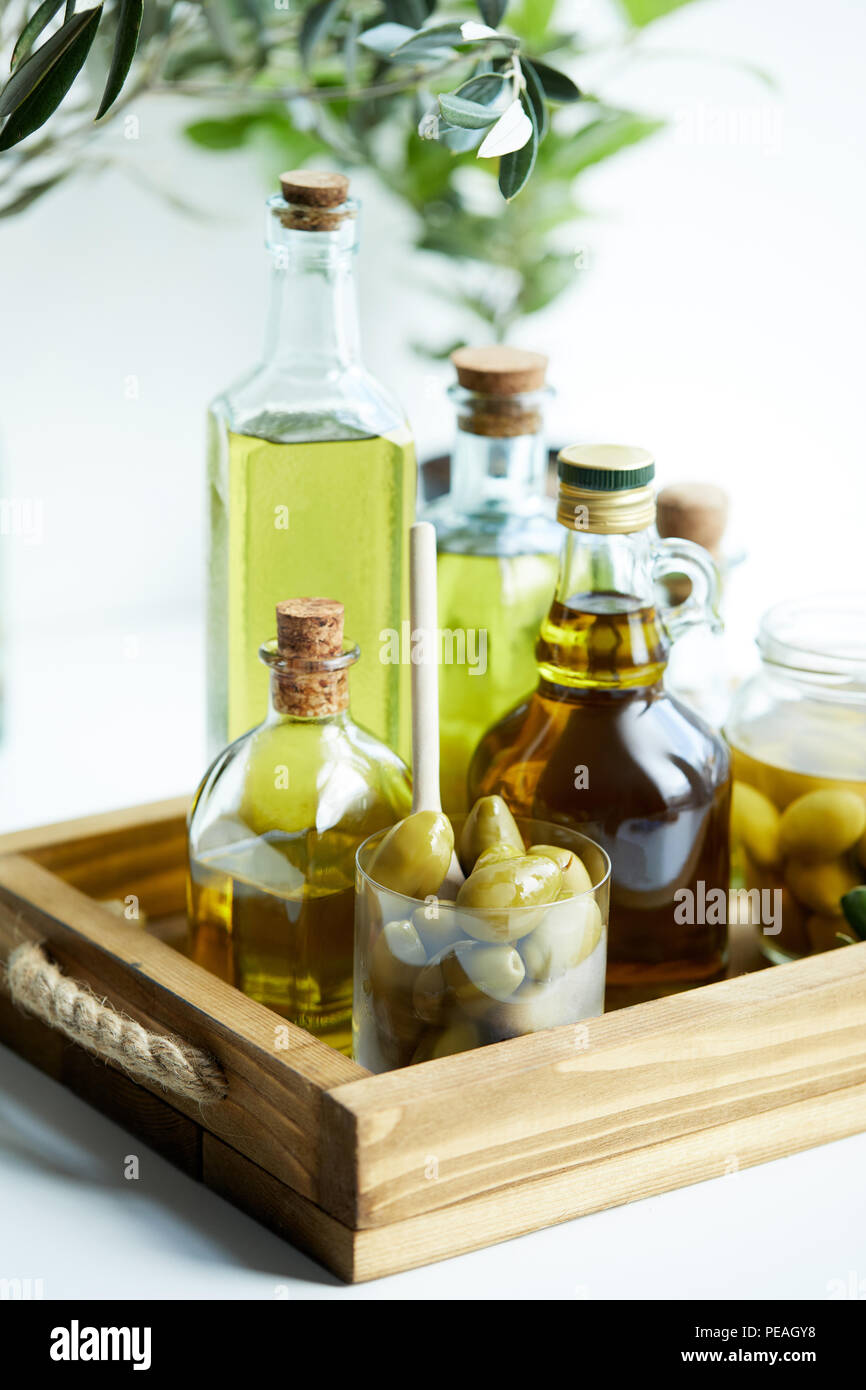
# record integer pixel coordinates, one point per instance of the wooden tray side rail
(377, 1174)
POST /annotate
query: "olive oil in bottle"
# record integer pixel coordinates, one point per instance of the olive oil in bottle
(317, 517)
(311, 473)
(275, 826)
(602, 746)
(497, 544)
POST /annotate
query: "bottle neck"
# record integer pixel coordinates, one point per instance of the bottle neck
(309, 699)
(307, 684)
(603, 631)
(499, 462)
(312, 325)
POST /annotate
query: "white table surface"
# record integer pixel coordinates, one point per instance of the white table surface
(795, 1228)
(113, 718)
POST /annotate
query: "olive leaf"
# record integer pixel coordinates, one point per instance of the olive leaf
(385, 38)
(125, 41)
(410, 12)
(853, 905)
(511, 132)
(555, 85)
(484, 87)
(516, 166)
(434, 41)
(32, 29)
(316, 26)
(470, 115)
(535, 92)
(492, 11)
(37, 87)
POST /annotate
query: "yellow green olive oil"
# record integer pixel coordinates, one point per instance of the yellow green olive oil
(324, 517)
(498, 602)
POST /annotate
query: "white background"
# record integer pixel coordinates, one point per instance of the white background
(720, 323)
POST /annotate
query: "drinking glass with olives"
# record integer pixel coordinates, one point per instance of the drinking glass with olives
(520, 946)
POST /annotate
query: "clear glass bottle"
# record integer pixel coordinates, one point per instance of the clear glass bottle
(498, 548)
(312, 475)
(275, 825)
(797, 730)
(601, 745)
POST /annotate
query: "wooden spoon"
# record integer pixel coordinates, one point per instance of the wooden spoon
(424, 624)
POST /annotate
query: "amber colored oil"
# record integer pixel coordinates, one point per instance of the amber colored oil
(603, 747)
(289, 947)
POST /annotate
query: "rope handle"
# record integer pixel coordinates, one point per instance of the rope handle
(39, 987)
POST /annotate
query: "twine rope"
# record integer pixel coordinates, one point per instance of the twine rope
(163, 1059)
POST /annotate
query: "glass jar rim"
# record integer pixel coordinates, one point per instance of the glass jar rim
(479, 912)
(821, 638)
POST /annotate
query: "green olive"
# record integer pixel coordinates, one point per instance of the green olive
(430, 992)
(489, 823)
(568, 934)
(396, 960)
(755, 821)
(438, 924)
(466, 979)
(575, 875)
(413, 856)
(496, 854)
(820, 886)
(476, 972)
(495, 890)
(459, 1037)
(822, 824)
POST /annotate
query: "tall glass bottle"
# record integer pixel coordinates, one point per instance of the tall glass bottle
(312, 475)
(275, 825)
(498, 546)
(601, 745)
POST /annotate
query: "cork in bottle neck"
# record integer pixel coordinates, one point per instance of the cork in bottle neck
(309, 666)
(316, 200)
(499, 390)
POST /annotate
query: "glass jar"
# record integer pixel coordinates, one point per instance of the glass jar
(433, 978)
(275, 825)
(797, 731)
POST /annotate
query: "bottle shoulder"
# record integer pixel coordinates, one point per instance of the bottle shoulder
(297, 777)
(531, 530)
(624, 739)
(286, 406)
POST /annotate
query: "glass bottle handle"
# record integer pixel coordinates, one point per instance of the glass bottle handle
(679, 557)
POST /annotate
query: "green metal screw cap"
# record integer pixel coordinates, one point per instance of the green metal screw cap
(606, 467)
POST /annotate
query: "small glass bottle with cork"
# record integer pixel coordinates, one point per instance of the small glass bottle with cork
(275, 825)
(497, 544)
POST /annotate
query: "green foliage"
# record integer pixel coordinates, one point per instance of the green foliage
(641, 12)
(466, 110)
(39, 83)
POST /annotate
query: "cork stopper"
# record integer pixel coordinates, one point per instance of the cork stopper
(314, 195)
(314, 188)
(498, 377)
(499, 370)
(694, 511)
(309, 632)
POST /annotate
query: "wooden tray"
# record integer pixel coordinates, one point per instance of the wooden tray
(375, 1174)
